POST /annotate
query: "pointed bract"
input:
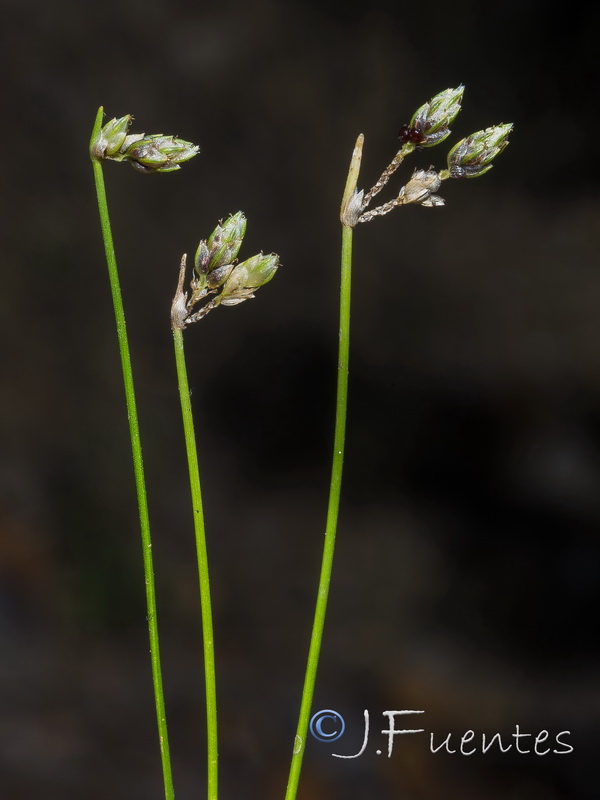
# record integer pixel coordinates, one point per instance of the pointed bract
(201, 258)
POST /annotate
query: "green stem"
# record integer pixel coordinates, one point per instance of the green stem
(203, 572)
(334, 488)
(138, 466)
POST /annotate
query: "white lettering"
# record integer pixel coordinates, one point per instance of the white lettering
(365, 739)
(391, 731)
(568, 747)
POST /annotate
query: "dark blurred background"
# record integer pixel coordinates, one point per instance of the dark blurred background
(468, 564)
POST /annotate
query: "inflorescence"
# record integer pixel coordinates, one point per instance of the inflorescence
(429, 126)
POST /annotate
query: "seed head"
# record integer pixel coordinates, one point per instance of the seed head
(430, 124)
(248, 276)
(472, 157)
(421, 188)
(223, 244)
(217, 273)
(155, 153)
(111, 137)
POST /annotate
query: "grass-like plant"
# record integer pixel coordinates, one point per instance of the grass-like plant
(219, 279)
(469, 158)
(148, 154)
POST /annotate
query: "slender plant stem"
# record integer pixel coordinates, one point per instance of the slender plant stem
(203, 573)
(334, 488)
(138, 467)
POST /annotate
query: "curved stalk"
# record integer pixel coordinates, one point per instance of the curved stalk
(336, 479)
(138, 466)
(203, 572)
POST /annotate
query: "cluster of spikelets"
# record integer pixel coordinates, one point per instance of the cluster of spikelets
(155, 153)
(429, 126)
(219, 279)
(216, 269)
